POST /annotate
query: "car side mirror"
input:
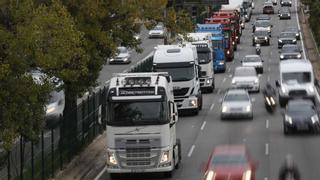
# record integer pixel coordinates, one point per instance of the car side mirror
(277, 83)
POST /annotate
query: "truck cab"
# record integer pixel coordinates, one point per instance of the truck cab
(229, 35)
(296, 81)
(181, 62)
(218, 44)
(203, 43)
(141, 124)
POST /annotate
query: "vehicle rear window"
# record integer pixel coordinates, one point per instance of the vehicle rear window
(245, 72)
(236, 97)
(229, 160)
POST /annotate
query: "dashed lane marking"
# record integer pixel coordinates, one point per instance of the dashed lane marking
(191, 150)
(267, 149)
(267, 123)
(203, 125)
(211, 107)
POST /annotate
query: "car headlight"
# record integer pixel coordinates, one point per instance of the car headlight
(165, 157)
(297, 34)
(233, 43)
(208, 81)
(288, 14)
(228, 52)
(269, 28)
(193, 103)
(256, 81)
(111, 59)
(280, 40)
(311, 89)
(224, 108)
(294, 40)
(290, 2)
(50, 109)
(283, 89)
(299, 56)
(247, 175)
(111, 158)
(281, 56)
(233, 81)
(125, 59)
(211, 175)
(248, 108)
(246, 16)
(256, 38)
(315, 119)
(288, 119)
(266, 38)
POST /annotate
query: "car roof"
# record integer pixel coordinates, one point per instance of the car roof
(229, 149)
(295, 65)
(244, 68)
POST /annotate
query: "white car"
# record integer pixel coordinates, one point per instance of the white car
(56, 102)
(158, 32)
(236, 103)
(246, 78)
(253, 61)
(122, 57)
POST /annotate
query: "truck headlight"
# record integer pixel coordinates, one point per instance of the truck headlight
(266, 38)
(248, 108)
(256, 38)
(299, 56)
(211, 175)
(50, 109)
(125, 59)
(311, 89)
(269, 28)
(315, 119)
(288, 119)
(281, 56)
(247, 175)
(112, 160)
(256, 81)
(165, 157)
(224, 109)
(280, 40)
(233, 81)
(193, 103)
(111, 59)
(208, 81)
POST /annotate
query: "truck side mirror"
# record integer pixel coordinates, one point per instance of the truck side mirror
(277, 83)
(173, 113)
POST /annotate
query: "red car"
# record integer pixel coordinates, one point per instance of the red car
(230, 162)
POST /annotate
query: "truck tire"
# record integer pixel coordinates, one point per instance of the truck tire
(179, 154)
(200, 106)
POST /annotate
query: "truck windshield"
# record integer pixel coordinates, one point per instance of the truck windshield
(217, 44)
(137, 113)
(204, 57)
(185, 73)
(296, 77)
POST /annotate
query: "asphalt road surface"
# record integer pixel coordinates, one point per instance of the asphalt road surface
(263, 135)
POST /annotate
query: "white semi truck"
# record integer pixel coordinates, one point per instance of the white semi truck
(203, 43)
(181, 62)
(141, 124)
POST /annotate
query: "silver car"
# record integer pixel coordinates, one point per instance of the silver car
(246, 78)
(122, 57)
(253, 61)
(159, 31)
(236, 104)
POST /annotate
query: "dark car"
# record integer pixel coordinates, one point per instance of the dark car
(290, 51)
(295, 30)
(284, 13)
(300, 115)
(286, 38)
(263, 17)
(268, 8)
(230, 162)
(286, 3)
(261, 37)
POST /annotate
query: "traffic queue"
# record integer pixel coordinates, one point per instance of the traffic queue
(184, 71)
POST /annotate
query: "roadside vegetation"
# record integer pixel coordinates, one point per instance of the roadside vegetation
(314, 11)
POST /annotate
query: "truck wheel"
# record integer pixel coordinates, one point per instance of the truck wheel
(200, 105)
(179, 154)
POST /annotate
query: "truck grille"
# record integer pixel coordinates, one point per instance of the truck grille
(138, 153)
(203, 73)
(180, 92)
(297, 93)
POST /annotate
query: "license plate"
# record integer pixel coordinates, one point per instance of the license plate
(137, 170)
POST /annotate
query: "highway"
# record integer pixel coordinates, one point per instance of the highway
(263, 135)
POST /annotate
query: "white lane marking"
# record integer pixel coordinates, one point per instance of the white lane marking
(211, 107)
(218, 92)
(267, 123)
(230, 75)
(101, 173)
(265, 178)
(224, 79)
(268, 78)
(191, 150)
(267, 149)
(203, 125)
(297, 18)
(269, 69)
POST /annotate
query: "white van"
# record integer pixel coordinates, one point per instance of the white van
(296, 81)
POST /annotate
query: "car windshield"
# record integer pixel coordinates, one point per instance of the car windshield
(244, 72)
(296, 77)
(229, 159)
(136, 113)
(217, 44)
(290, 49)
(300, 109)
(287, 34)
(158, 28)
(122, 50)
(204, 57)
(252, 59)
(236, 97)
(262, 24)
(261, 33)
(179, 73)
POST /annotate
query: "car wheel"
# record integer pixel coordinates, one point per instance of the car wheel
(286, 130)
(222, 117)
(282, 101)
